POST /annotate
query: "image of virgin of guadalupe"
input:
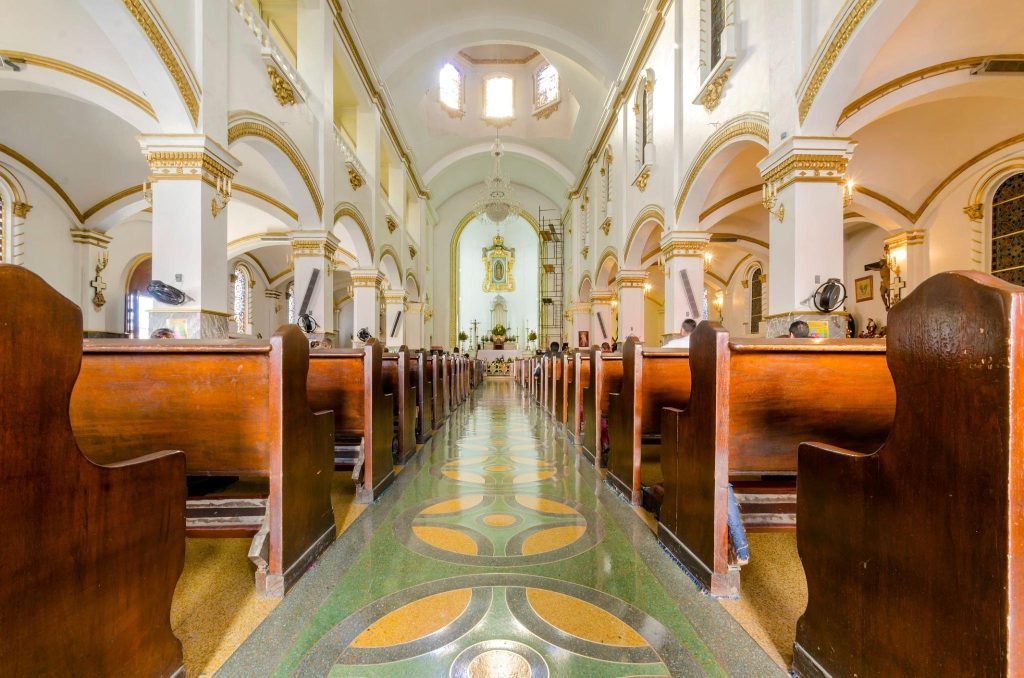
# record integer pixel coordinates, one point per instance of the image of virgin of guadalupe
(498, 271)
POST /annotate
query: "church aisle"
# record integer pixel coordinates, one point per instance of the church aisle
(498, 552)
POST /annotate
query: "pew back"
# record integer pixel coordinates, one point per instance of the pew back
(605, 378)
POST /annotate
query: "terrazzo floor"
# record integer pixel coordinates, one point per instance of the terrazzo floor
(498, 552)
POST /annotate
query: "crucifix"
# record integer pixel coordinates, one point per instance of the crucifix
(475, 325)
(896, 286)
(97, 283)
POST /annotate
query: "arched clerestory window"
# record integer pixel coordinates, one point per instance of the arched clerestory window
(452, 89)
(756, 300)
(242, 282)
(1008, 230)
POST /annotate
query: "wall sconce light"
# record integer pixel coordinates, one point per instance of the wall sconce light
(147, 193)
(848, 193)
(647, 288)
(770, 199)
(708, 257)
(615, 303)
(221, 197)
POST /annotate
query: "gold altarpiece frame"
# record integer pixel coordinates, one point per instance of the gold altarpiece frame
(498, 262)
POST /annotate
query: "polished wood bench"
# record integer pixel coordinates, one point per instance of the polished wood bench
(752, 402)
(568, 380)
(351, 383)
(423, 377)
(91, 553)
(652, 378)
(236, 408)
(580, 375)
(914, 553)
(399, 381)
(436, 374)
(558, 362)
(605, 378)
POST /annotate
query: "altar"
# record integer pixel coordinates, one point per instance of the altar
(491, 354)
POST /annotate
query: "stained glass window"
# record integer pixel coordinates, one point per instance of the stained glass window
(451, 87)
(243, 298)
(498, 97)
(717, 26)
(546, 86)
(290, 299)
(1008, 230)
(756, 301)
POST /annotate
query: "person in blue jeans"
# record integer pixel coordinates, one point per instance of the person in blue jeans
(737, 535)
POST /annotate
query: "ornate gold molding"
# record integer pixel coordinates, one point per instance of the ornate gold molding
(314, 247)
(598, 297)
(282, 88)
(395, 297)
(391, 223)
(641, 179)
(522, 61)
(21, 209)
(630, 280)
(828, 56)
(349, 210)
(975, 211)
(74, 71)
(85, 236)
(547, 111)
(649, 213)
(800, 167)
(606, 225)
(753, 125)
(684, 248)
(189, 91)
(260, 195)
(712, 94)
(905, 239)
(38, 171)
(263, 130)
(585, 252)
(355, 179)
(193, 165)
(412, 252)
(109, 200)
(366, 278)
(726, 200)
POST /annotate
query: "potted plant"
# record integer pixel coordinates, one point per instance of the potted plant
(462, 338)
(498, 333)
(531, 337)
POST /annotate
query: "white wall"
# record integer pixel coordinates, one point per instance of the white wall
(863, 246)
(474, 303)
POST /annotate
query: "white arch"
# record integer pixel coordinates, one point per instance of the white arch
(511, 147)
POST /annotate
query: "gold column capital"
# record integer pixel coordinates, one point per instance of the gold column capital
(85, 236)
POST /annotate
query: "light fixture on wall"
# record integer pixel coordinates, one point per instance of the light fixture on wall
(708, 257)
(770, 200)
(497, 203)
(647, 289)
(848, 193)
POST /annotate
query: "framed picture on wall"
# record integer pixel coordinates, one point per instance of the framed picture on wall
(863, 289)
(583, 339)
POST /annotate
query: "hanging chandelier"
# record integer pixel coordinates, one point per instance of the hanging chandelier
(496, 202)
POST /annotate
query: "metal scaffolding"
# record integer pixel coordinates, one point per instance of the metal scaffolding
(552, 268)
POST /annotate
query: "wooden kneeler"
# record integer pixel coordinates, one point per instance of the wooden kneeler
(91, 554)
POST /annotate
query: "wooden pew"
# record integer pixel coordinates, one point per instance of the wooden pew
(568, 385)
(605, 378)
(423, 377)
(436, 372)
(580, 376)
(558, 385)
(652, 378)
(752, 402)
(446, 377)
(398, 380)
(236, 408)
(914, 553)
(91, 553)
(351, 383)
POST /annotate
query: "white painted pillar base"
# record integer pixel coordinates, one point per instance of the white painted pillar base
(91, 253)
(683, 251)
(365, 302)
(602, 328)
(630, 285)
(314, 250)
(394, 301)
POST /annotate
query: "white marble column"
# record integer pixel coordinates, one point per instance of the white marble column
(190, 176)
(394, 302)
(684, 252)
(91, 261)
(581, 323)
(602, 329)
(273, 312)
(804, 185)
(414, 325)
(365, 302)
(314, 250)
(907, 253)
(630, 285)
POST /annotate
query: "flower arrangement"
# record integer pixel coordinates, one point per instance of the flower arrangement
(499, 330)
(463, 336)
(532, 336)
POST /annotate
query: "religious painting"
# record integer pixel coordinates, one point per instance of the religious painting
(862, 289)
(584, 339)
(498, 262)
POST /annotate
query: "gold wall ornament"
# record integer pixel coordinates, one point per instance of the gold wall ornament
(366, 278)
(829, 54)
(547, 111)
(412, 252)
(189, 91)
(975, 211)
(281, 86)
(21, 209)
(314, 247)
(799, 167)
(221, 197)
(585, 252)
(391, 223)
(712, 94)
(641, 180)
(606, 226)
(97, 284)
(355, 179)
(265, 129)
(498, 261)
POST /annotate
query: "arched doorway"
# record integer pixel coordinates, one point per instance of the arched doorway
(137, 301)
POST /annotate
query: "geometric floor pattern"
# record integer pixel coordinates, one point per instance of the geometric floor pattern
(491, 556)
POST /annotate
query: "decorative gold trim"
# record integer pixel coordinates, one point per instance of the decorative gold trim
(355, 179)
(828, 54)
(109, 200)
(641, 56)
(712, 94)
(85, 236)
(192, 165)
(389, 125)
(314, 247)
(585, 252)
(453, 263)
(547, 110)
(630, 280)
(21, 209)
(641, 179)
(366, 278)
(726, 200)
(905, 239)
(391, 223)
(265, 130)
(499, 251)
(522, 61)
(35, 169)
(349, 210)
(649, 213)
(684, 248)
(260, 195)
(798, 167)
(412, 252)
(892, 204)
(747, 125)
(606, 225)
(189, 93)
(914, 77)
(608, 253)
(281, 86)
(74, 71)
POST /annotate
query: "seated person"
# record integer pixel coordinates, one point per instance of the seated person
(689, 325)
(799, 330)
